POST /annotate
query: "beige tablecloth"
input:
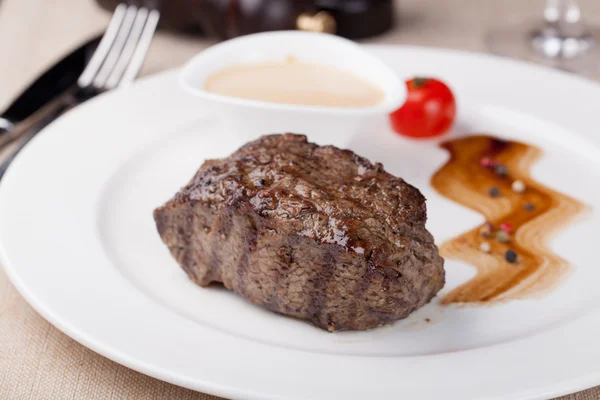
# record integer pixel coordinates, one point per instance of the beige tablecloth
(36, 360)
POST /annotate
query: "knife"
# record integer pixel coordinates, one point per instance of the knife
(14, 140)
(46, 88)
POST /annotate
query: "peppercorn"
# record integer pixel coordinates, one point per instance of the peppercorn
(486, 162)
(485, 247)
(494, 191)
(500, 170)
(502, 236)
(510, 256)
(518, 186)
(506, 227)
(486, 230)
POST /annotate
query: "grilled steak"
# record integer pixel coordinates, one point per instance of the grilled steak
(308, 231)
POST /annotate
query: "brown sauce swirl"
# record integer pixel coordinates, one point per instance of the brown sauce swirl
(464, 180)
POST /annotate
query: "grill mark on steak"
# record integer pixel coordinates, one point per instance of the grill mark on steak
(321, 282)
(286, 258)
(250, 239)
(214, 250)
(317, 233)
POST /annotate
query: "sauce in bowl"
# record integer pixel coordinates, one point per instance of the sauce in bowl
(295, 82)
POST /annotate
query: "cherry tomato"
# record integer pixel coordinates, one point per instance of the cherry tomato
(429, 109)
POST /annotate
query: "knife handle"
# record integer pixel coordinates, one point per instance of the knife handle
(6, 129)
(6, 125)
(11, 131)
(14, 140)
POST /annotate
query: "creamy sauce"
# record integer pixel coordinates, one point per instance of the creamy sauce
(295, 82)
(465, 181)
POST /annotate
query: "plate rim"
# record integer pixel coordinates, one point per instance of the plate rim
(208, 387)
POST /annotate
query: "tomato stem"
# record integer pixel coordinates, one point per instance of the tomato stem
(419, 82)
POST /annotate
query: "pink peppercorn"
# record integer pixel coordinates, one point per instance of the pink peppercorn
(506, 227)
(486, 162)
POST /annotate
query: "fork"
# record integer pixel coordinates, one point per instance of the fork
(116, 62)
(121, 52)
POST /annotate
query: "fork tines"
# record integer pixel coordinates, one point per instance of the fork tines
(121, 52)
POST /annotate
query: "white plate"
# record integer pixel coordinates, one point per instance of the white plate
(79, 242)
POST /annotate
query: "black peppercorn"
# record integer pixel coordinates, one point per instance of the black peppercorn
(500, 170)
(510, 256)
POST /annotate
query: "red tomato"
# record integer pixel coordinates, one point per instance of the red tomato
(429, 109)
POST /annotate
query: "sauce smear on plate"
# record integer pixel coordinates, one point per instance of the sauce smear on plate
(481, 174)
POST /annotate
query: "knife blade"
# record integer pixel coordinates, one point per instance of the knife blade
(48, 86)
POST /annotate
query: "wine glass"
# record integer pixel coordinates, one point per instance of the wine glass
(559, 39)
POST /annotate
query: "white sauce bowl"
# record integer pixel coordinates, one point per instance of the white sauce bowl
(324, 125)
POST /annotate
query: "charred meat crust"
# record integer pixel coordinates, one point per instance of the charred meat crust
(308, 231)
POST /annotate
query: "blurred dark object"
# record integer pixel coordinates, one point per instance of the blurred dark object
(225, 19)
(356, 19)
